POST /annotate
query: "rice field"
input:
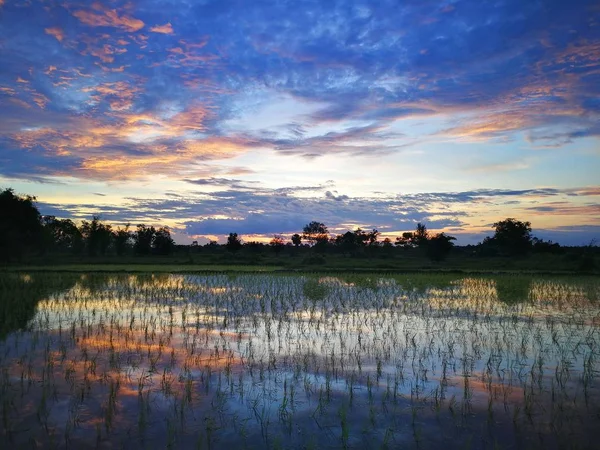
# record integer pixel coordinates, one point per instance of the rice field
(298, 361)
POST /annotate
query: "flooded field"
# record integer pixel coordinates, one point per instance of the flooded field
(276, 361)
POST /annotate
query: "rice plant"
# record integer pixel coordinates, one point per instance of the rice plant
(298, 361)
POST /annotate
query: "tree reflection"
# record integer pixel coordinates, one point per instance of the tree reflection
(20, 294)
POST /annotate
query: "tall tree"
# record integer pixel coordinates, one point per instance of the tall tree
(20, 225)
(372, 237)
(277, 244)
(143, 239)
(63, 235)
(512, 237)
(122, 238)
(406, 240)
(96, 235)
(163, 243)
(439, 246)
(421, 235)
(234, 243)
(349, 241)
(296, 240)
(315, 232)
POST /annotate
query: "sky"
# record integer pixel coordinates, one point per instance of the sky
(257, 117)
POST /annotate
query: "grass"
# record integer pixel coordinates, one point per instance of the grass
(291, 260)
(140, 268)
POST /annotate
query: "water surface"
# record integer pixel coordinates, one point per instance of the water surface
(274, 361)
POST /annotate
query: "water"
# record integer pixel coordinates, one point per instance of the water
(274, 361)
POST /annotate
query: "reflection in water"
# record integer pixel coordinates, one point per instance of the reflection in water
(20, 293)
(173, 361)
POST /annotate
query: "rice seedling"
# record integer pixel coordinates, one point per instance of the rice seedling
(298, 361)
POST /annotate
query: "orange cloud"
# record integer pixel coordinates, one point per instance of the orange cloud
(7, 90)
(108, 18)
(566, 209)
(490, 125)
(118, 94)
(163, 29)
(20, 103)
(165, 144)
(56, 32)
(187, 54)
(40, 99)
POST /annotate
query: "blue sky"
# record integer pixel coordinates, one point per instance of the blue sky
(258, 117)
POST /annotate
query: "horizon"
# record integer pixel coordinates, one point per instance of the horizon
(221, 116)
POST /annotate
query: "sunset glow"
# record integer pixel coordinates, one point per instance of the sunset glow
(221, 116)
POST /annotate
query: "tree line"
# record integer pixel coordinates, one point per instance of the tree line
(24, 230)
(511, 238)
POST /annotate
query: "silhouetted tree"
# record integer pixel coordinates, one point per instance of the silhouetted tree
(96, 235)
(20, 225)
(234, 243)
(296, 240)
(541, 246)
(122, 238)
(277, 244)
(511, 237)
(421, 235)
(349, 241)
(163, 243)
(254, 247)
(387, 247)
(315, 232)
(360, 237)
(62, 235)
(406, 240)
(372, 237)
(439, 246)
(142, 239)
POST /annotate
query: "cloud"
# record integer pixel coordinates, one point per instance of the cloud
(104, 17)
(253, 224)
(365, 85)
(163, 29)
(57, 32)
(249, 208)
(498, 167)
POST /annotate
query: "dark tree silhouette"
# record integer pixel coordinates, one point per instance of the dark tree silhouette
(439, 246)
(372, 237)
(62, 235)
(277, 244)
(512, 237)
(20, 225)
(122, 238)
(417, 238)
(143, 239)
(296, 240)
(542, 246)
(234, 243)
(406, 240)
(421, 235)
(163, 244)
(315, 232)
(96, 235)
(349, 241)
